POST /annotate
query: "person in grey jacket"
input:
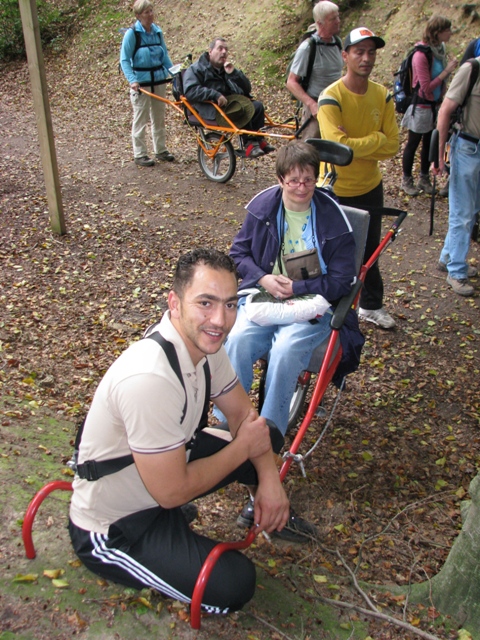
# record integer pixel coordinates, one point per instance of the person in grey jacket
(145, 62)
(212, 79)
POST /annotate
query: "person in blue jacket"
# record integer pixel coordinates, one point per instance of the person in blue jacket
(290, 217)
(145, 63)
(293, 216)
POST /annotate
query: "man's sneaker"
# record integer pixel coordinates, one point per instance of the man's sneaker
(472, 272)
(253, 150)
(461, 286)
(265, 147)
(408, 186)
(165, 156)
(425, 185)
(190, 512)
(377, 316)
(444, 190)
(297, 529)
(144, 161)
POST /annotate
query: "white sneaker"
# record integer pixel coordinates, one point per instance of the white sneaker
(377, 316)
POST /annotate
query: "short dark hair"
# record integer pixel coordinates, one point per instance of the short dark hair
(214, 42)
(297, 154)
(188, 262)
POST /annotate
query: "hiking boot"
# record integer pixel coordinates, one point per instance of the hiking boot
(378, 316)
(425, 185)
(297, 529)
(190, 512)
(165, 156)
(253, 150)
(444, 190)
(461, 286)
(265, 147)
(472, 272)
(144, 161)
(408, 186)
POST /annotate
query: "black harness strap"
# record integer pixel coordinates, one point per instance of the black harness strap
(92, 470)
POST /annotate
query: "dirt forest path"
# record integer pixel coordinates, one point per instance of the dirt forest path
(407, 432)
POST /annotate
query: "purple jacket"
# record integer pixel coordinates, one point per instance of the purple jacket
(255, 247)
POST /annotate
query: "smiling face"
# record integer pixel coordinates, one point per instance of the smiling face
(360, 58)
(298, 186)
(206, 310)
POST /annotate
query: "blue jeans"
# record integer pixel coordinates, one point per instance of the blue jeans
(289, 348)
(464, 202)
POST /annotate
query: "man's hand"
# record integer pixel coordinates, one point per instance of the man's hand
(135, 86)
(228, 66)
(254, 433)
(272, 507)
(313, 106)
(279, 287)
(222, 101)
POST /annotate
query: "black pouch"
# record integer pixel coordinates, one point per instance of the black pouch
(302, 265)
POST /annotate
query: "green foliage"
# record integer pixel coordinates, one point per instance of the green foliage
(55, 24)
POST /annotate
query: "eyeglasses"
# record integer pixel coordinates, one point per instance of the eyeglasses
(294, 184)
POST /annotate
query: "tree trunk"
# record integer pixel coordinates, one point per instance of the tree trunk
(455, 590)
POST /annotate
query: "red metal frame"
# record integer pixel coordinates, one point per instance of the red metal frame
(324, 377)
(32, 509)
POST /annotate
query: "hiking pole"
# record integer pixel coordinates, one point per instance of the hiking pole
(433, 158)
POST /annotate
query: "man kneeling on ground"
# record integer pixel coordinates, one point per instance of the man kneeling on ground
(144, 451)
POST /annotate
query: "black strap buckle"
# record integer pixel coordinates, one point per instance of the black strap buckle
(88, 470)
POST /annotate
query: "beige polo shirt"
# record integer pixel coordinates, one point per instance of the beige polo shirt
(138, 407)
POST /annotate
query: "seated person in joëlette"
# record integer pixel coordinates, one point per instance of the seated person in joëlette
(146, 449)
(292, 216)
(213, 79)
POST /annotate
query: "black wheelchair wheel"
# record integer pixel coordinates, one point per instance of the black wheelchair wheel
(297, 403)
(222, 166)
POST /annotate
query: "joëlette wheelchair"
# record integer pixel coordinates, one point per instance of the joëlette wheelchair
(325, 359)
(216, 153)
(320, 371)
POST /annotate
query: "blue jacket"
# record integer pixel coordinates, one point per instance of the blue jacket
(150, 59)
(255, 250)
(256, 246)
(202, 82)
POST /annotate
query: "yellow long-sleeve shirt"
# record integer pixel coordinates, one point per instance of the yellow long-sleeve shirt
(367, 124)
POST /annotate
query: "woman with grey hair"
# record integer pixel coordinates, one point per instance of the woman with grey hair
(145, 62)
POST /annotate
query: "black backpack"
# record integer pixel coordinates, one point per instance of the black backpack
(457, 115)
(312, 50)
(404, 94)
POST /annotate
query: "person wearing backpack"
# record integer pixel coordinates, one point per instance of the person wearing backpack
(145, 62)
(464, 195)
(146, 449)
(430, 70)
(317, 63)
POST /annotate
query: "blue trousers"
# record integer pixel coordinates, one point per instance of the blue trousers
(289, 348)
(464, 202)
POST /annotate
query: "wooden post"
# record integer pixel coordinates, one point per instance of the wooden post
(38, 80)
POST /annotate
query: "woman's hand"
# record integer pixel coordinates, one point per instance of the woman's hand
(451, 66)
(279, 287)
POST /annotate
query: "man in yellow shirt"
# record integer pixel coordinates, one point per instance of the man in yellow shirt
(360, 113)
